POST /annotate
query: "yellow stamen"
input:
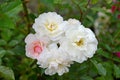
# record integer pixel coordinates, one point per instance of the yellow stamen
(51, 27)
(80, 42)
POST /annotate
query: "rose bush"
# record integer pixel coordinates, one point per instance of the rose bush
(33, 46)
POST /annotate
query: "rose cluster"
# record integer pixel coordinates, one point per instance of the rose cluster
(57, 43)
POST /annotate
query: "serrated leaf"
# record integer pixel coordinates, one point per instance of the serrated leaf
(7, 73)
(103, 53)
(6, 22)
(90, 18)
(2, 53)
(19, 50)
(0, 61)
(94, 1)
(100, 78)
(49, 2)
(108, 47)
(10, 6)
(86, 78)
(99, 67)
(81, 4)
(10, 52)
(109, 1)
(2, 42)
(116, 59)
(13, 43)
(14, 12)
(116, 71)
(97, 9)
(57, 1)
(6, 34)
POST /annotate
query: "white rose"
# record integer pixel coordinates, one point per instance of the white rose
(50, 24)
(80, 43)
(35, 45)
(55, 60)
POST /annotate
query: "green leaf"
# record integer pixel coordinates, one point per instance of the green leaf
(108, 47)
(95, 9)
(13, 43)
(6, 22)
(49, 2)
(116, 59)
(10, 6)
(90, 18)
(7, 73)
(19, 50)
(2, 42)
(94, 1)
(5, 1)
(99, 67)
(109, 1)
(116, 71)
(14, 12)
(103, 53)
(57, 1)
(81, 4)
(100, 78)
(2, 53)
(86, 78)
(10, 52)
(0, 61)
(6, 34)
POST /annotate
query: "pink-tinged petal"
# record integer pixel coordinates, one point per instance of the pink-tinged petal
(34, 46)
(38, 47)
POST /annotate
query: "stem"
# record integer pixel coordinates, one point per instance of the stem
(79, 9)
(117, 34)
(88, 3)
(26, 14)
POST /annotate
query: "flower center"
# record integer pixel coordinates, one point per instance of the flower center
(51, 27)
(80, 42)
(38, 47)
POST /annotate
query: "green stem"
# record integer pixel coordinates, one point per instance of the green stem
(88, 3)
(26, 14)
(81, 12)
(117, 34)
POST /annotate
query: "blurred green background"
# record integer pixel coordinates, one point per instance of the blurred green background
(17, 17)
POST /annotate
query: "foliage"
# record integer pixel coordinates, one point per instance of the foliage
(16, 22)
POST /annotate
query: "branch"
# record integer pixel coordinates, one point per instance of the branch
(26, 14)
(79, 9)
(88, 3)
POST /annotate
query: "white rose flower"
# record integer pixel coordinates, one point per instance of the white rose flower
(73, 22)
(55, 60)
(50, 24)
(80, 43)
(35, 45)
